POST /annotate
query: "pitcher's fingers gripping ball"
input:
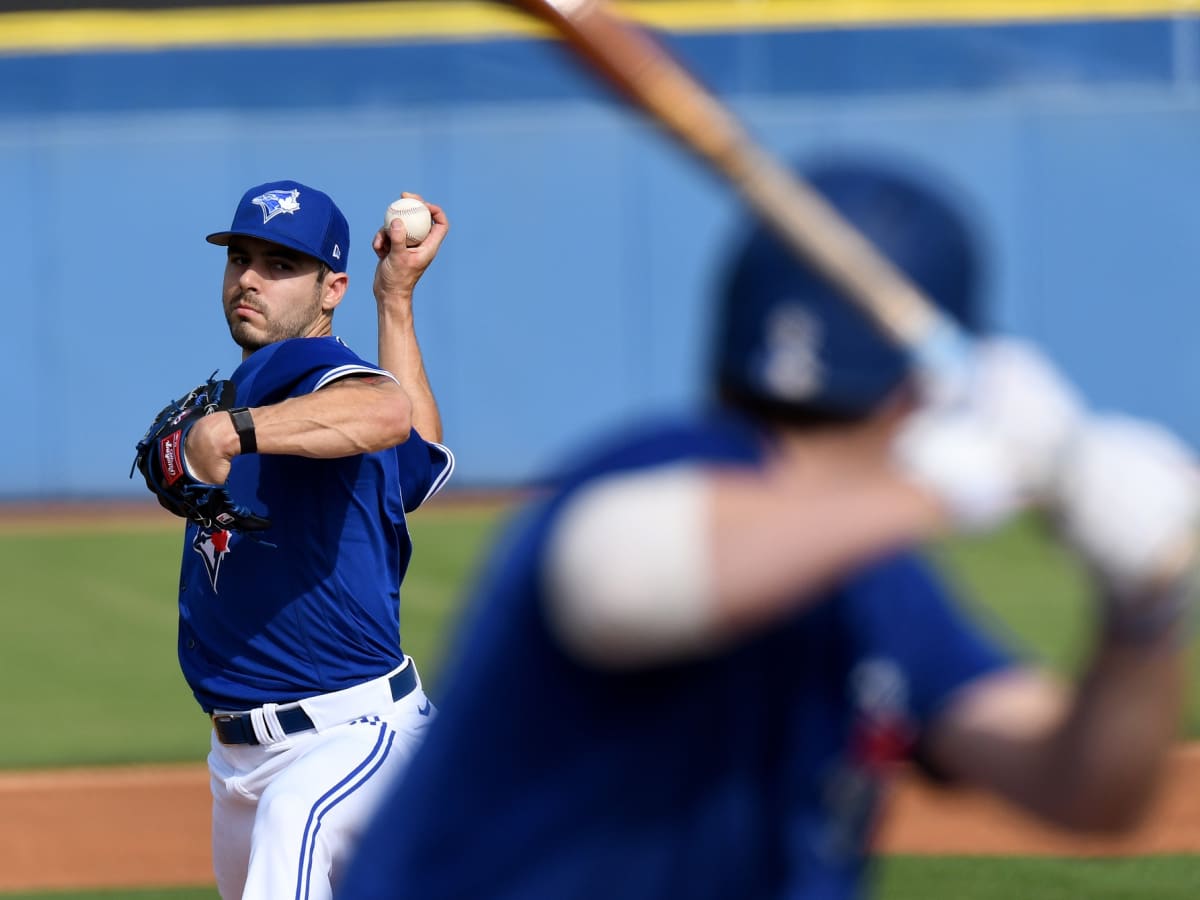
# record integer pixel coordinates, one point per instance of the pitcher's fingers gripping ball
(415, 215)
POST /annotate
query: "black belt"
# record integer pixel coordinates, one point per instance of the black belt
(236, 728)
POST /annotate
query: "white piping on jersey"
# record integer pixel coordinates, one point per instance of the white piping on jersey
(441, 480)
(340, 372)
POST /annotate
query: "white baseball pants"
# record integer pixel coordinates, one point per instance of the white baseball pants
(286, 813)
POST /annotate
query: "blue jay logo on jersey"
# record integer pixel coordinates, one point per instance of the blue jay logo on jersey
(212, 549)
(884, 730)
(881, 733)
(273, 203)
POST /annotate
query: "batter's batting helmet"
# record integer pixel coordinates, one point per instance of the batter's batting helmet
(787, 344)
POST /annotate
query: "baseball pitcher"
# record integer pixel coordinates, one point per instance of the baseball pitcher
(295, 476)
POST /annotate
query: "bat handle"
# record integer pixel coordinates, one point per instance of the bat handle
(942, 356)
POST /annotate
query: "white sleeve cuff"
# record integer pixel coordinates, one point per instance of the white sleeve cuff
(628, 572)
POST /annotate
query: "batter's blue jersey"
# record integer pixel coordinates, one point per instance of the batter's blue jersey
(312, 604)
(751, 774)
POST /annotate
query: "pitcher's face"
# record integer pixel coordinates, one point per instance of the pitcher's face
(272, 293)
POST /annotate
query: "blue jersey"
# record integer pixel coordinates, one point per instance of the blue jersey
(312, 605)
(754, 773)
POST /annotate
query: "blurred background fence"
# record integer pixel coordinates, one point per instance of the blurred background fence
(573, 288)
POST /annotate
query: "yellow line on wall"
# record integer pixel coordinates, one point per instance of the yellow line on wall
(733, 15)
(324, 23)
(258, 25)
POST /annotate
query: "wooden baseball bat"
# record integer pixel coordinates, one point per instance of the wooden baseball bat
(632, 61)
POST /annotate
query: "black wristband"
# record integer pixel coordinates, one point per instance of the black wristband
(243, 424)
(1147, 618)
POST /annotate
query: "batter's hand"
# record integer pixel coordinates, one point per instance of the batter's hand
(401, 267)
(992, 446)
(1128, 499)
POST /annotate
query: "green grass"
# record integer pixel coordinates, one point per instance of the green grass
(87, 650)
(1002, 878)
(87, 636)
(447, 546)
(1025, 586)
(87, 632)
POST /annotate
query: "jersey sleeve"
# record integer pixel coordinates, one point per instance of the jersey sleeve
(296, 367)
(907, 614)
(425, 467)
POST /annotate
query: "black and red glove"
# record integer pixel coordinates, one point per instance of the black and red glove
(161, 460)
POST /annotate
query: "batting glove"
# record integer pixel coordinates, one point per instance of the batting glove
(1128, 500)
(989, 442)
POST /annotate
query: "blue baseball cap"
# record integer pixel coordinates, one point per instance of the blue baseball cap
(785, 338)
(294, 215)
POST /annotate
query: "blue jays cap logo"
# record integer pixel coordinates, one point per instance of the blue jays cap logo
(273, 203)
(322, 232)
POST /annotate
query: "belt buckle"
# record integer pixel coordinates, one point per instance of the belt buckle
(225, 725)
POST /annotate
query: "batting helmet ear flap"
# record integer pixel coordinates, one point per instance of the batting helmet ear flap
(786, 338)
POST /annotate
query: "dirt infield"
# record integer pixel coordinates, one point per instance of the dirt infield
(148, 826)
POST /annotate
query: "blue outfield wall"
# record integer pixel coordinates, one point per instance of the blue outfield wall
(573, 288)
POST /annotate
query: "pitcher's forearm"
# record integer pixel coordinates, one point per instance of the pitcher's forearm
(400, 354)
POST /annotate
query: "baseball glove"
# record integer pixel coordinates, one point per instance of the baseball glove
(161, 461)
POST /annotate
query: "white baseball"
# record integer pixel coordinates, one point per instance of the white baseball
(417, 220)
